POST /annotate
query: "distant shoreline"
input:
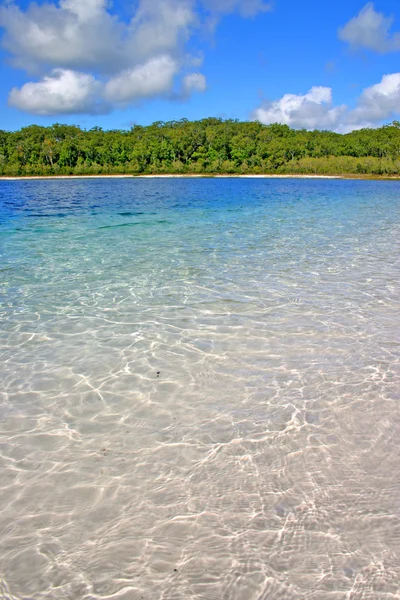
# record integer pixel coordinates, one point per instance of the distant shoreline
(201, 176)
(174, 176)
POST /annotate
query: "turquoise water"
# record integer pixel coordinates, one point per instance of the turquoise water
(199, 389)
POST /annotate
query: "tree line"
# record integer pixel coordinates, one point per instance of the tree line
(209, 146)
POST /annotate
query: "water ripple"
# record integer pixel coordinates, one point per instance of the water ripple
(205, 406)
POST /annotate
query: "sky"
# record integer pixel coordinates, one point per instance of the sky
(310, 64)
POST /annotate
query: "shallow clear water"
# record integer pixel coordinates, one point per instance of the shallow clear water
(200, 389)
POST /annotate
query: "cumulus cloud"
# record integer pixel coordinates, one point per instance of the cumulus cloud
(84, 10)
(371, 30)
(70, 92)
(74, 35)
(378, 102)
(150, 79)
(315, 109)
(312, 110)
(194, 82)
(160, 26)
(83, 34)
(63, 92)
(117, 62)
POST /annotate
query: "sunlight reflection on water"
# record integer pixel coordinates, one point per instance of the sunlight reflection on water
(200, 387)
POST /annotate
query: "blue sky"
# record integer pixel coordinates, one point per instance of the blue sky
(309, 64)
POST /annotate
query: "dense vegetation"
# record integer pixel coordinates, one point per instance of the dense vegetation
(207, 146)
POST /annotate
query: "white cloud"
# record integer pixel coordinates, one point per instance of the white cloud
(315, 110)
(67, 92)
(63, 92)
(153, 78)
(194, 82)
(312, 110)
(371, 30)
(75, 35)
(160, 26)
(77, 39)
(84, 34)
(100, 56)
(85, 10)
(378, 102)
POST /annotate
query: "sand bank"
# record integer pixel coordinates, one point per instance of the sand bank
(165, 176)
(203, 176)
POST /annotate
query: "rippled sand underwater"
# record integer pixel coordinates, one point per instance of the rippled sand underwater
(200, 390)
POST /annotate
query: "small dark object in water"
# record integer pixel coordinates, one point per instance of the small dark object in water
(175, 570)
(158, 373)
(281, 510)
(348, 572)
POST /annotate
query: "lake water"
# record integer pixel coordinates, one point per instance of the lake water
(200, 389)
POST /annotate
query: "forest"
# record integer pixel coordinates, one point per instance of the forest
(210, 146)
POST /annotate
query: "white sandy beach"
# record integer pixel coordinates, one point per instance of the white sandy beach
(201, 176)
(176, 176)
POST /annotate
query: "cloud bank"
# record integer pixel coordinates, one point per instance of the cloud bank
(83, 58)
(315, 109)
